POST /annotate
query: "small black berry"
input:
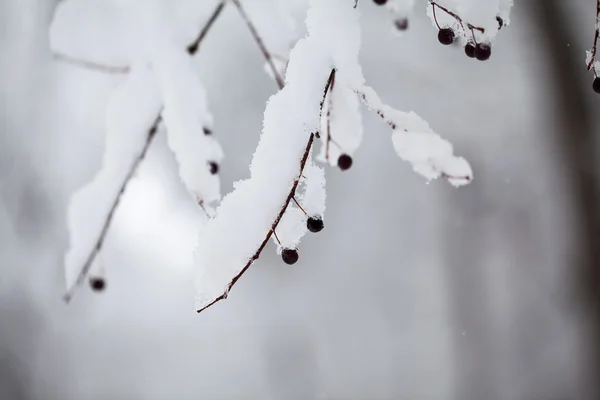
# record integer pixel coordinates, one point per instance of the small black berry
(97, 284)
(380, 2)
(446, 36)
(500, 22)
(289, 256)
(401, 24)
(470, 50)
(314, 224)
(344, 162)
(207, 131)
(483, 51)
(214, 167)
(596, 85)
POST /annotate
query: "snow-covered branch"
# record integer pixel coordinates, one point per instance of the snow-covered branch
(129, 137)
(235, 238)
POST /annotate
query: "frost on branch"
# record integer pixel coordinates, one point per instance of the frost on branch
(132, 110)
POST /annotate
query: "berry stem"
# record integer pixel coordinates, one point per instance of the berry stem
(299, 206)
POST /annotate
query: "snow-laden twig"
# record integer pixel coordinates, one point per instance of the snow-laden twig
(78, 261)
(204, 280)
(416, 143)
(260, 42)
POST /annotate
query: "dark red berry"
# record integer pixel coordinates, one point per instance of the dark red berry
(97, 284)
(401, 24)
(483, 51)
(207, 131)
(470, 50)
(289, 256)
(446, 36)
(344, 162)
(314, 224)
(214, 167)
(596, 85)
(380, 2)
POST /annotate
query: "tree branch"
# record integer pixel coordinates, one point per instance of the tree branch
(192, 49)
(259, 41)
(289, 198)
(108, 69)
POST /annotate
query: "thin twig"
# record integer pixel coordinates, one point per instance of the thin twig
(259, 41)
(193, 47)
(289, 198)
(133, 169)
(93, 66)
(596, 34)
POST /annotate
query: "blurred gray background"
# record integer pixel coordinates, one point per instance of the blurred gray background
(413, 291)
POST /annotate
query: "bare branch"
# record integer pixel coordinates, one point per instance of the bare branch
(289, 198)
(133, 169)
(107, 69)
(259, 41)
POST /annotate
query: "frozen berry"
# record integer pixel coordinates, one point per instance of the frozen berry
(289, 256)
(596, 85)
(446, 36)
(207, 131)
(483, 51)
(214, 167)
(344, 162)
(470, 50)
(401, 24)
(97, 284)
(380, 2)
(314, 224)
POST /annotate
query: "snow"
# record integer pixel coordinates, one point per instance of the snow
(131, 111)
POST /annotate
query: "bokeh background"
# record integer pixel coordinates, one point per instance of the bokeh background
(414, 291)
